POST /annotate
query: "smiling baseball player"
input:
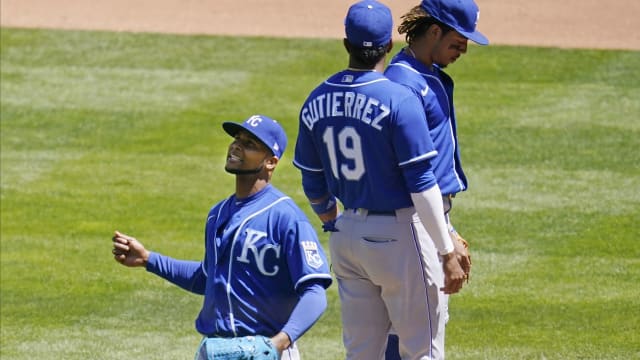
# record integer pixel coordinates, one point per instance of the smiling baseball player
(264, 272)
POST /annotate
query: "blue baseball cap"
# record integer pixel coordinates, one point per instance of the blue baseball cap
(267, 130)
(368, 24)
(462, 15)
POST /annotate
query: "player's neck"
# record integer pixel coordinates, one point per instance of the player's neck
(362, 70)
(247, 185)
(411, 52)
(355, 65)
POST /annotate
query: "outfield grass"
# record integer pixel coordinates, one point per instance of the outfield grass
(103, 131)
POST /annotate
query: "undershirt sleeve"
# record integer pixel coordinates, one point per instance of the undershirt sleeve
(312, 304)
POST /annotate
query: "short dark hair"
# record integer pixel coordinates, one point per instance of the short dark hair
(416, 22)
(368, 57)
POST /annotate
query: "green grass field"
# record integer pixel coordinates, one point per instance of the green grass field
(103, 131)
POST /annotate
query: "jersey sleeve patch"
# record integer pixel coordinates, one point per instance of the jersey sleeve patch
(311, 254)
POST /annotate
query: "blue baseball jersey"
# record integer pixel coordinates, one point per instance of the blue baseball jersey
(365, 139)
(259, 251)
(435, 89)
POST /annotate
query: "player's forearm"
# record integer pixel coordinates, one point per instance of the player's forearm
(323, 203)
(183, 273)
(314, 184)
(429, 207)
(312, 304)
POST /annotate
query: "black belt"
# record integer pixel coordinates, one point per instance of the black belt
(376, 212)
(381, 213)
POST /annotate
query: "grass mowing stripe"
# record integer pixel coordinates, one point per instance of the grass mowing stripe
(582, 148)
(557, 105)
(530, 188)
(102, 89)
(534, 65)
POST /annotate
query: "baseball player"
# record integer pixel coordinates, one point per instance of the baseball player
(364, 140)
(264, 273)
(437, 32)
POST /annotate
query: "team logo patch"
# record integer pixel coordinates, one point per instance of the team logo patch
(347, 79)
(311, 254)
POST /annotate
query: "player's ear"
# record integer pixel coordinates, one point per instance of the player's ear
(434, 30)
(347, 45)
(271, 162)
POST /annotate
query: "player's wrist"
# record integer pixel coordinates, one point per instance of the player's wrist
(449, 256)
(149, 258)
(448, 247)
(281, 341)
(145, 258)
(326, 205)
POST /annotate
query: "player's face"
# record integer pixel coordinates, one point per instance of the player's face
(450, 47)
(246, 154)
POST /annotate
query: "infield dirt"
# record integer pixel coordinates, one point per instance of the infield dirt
(614, 24)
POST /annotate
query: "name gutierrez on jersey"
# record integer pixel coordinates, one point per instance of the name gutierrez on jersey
(344, 104)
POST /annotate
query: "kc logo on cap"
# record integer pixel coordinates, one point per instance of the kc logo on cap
(254, 120)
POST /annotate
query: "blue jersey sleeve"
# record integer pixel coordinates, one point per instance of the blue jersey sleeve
(420, 177)
(411, 139)
(314, 184)
(307, 260)
(307, 159)
(305, 156)
(183, 273)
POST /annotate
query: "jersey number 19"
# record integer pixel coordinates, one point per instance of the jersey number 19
(350, 147)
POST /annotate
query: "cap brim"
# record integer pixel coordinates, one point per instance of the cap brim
(476, 37)
(232, 128)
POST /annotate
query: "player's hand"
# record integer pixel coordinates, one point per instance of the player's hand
(128, 251)
(454, 275)
(281, 342)
(462, 253)
(330, 226)
(329, 220)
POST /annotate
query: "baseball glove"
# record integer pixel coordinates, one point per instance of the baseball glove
(462, 251)
(239, 348)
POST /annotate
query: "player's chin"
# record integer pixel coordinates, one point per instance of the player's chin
(231, 169)
(442, 64)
